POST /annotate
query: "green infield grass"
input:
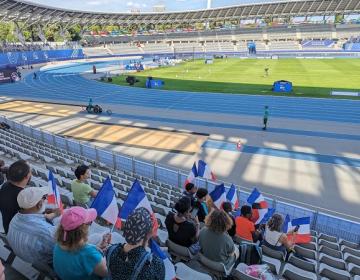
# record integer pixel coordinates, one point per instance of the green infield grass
(310, 77)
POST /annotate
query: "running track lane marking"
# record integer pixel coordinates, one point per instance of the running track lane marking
(228, 146)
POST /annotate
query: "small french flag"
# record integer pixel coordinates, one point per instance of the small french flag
(287, 223)
(137, 198)
(267, 216)
(232, 197)
(54, 194)
(218, 196)
(106, 205)
(303, 233)
(192, 175)
(169, 267)
(205, 171)
(259, 206)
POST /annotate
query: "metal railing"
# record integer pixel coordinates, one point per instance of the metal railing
(320, 221)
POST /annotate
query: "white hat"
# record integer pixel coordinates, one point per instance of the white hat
(31, 196)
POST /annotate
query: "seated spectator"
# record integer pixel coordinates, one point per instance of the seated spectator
(245, 228)
(274, 237)
(74, 258)
(227, 206)
(215, 242)
(2, 271)
(131, 260)
(82, 191)
(19, 174)
(31, 235)
(183, 229)
(4, 126)
(3, 171)
(200, 206)
(190, 191)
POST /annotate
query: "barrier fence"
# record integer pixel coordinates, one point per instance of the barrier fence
(25, 58)
(320, 221)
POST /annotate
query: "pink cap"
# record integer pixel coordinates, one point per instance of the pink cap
(77, 216)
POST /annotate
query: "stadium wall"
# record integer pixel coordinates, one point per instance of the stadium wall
(34, 57)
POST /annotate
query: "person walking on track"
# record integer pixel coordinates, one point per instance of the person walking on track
(266, 116)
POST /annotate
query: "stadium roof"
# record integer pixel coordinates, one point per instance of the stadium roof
(22, 11)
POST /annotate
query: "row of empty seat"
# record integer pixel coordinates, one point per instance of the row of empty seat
(325, 257)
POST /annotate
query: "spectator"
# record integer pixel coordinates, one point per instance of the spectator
(31, 235)
(74, 258)
(3, 171)
(245, 228)
(215, 242)
(83, 193)
(182, 228)
(200, 206)
(227, 206)
(131, 260)
(4, 126)
(19, 174)
(190, 190)
(2, 271)
(274, 237)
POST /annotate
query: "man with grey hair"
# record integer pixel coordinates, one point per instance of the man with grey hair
(31, 233)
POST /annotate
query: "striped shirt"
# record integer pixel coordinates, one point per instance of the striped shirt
(32, 238)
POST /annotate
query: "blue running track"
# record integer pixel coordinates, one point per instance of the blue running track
(65, 84)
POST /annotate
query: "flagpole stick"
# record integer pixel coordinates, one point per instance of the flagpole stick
(112, 228)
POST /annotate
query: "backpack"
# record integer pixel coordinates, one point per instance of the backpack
(145, 257)
(250, 253)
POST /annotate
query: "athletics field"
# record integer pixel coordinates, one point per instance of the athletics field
(310, 77)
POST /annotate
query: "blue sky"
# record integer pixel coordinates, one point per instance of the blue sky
(143, 6)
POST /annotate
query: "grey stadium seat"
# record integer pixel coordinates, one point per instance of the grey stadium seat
(352, 259)
(183, 272)
(308, 265)
(329, 244)
(327, 237)
(279, 255)
(239, 273)
(294, 273)
(274, 264)
(354, 269)
(349, 250)
(311, 246)
(178, 252)
(349, 244)
(333, 273)
(331, 261)
(306, 253)
(330, 252)
(217, 268)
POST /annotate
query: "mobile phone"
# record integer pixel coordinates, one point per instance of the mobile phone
(296, 228)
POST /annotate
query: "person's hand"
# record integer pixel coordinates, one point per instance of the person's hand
(2, 272)
(53, 214)
(56, 212)
(106, 240)
(196, 220)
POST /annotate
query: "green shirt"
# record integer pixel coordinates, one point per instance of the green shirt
(81, 191)
(266, 114)
(218, 247)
